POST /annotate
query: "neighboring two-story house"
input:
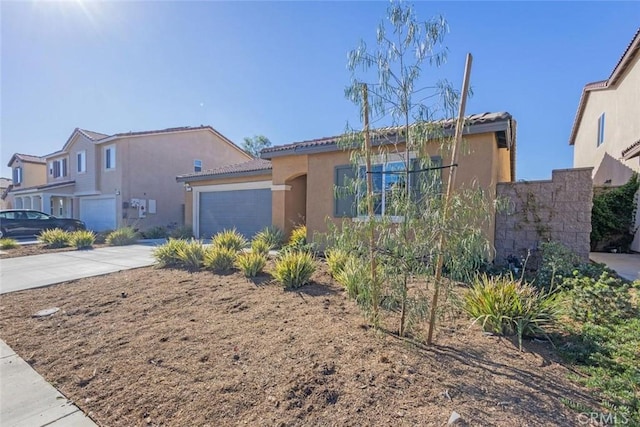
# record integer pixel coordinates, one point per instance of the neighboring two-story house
(606, 130)
(109, 181)
(27, 171)
(5, 185)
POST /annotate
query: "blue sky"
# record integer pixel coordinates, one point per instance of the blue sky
(279, 68)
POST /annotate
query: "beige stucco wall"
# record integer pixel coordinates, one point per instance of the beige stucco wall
(147, 165)
(621, 105)
(32, 173)
(86, 182)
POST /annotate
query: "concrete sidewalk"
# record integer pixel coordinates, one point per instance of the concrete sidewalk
(26, 399)
(626, 265)
(47, 269)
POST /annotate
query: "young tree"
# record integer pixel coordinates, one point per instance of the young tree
(407, 222)
(255, 144)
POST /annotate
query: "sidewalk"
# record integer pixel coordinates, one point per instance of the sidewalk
(26, 399)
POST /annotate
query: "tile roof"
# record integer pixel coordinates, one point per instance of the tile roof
(474, 119)
(26, 158)
(168, 130)
(252, 167)
(631, 151)
(93, 136)
(44, 186)
(623, 63)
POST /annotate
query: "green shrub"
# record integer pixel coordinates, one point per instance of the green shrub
(353, 276)
(184, 232)
(167, 255)
(251, 263)
(101, 236)
(298, 237)
(191, 255)
(7, 243)
(122, 237)
(294, 268)
(157, 232)
(83, 239)
(55, 238)
(219, 258)
(229, 239)
(506, 306)
(599, 300)
(557, 262)
(272, 236)
(260, 247)
(336, 258)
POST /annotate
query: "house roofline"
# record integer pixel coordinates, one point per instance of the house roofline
(26, 159)
(36, 188)
(193, 178)
(618, 71)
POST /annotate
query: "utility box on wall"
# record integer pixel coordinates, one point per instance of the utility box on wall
(140, 205)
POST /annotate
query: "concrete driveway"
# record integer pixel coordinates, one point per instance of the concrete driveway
(47, 269)
(626, 265)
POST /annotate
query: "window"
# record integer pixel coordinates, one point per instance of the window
(601, 130)
(388, 180)
(110, 157)
(81, 159)
(17, 175)
(58, 168)
(197, 165)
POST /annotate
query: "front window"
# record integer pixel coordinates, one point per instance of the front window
(58, 168)
(82, 162)
(110, 157)
(17, 176)
(388, 179)
(601, 130)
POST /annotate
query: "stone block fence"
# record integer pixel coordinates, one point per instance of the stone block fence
(540, 211)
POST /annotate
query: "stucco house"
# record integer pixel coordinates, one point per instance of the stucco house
(294, 183)
(27, 171)
(109, 181)
(5, 185)
(606, 129)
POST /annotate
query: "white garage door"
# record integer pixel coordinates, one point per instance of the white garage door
(248, 211)
(98, 214)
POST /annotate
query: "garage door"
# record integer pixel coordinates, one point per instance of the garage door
(98, 214)
(248, 211)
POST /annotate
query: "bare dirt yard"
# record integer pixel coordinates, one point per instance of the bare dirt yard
(152, 347)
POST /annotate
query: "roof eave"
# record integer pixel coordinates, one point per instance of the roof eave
(193, 178)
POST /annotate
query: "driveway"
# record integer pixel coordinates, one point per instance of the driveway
(626, 265)
(42, 270)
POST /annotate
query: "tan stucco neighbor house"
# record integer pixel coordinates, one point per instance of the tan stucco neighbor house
(606, 130)
(27, 171)
(5, 185)
(109, 181)
(294, 183)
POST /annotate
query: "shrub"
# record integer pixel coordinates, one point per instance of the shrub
(294, 268)
(82, 239)
(557, 262)
(183, 232)
(336, 259)
(167, 255)
(298, 237)
(229, 239)
(353, 276)
(506, 306)
(219, 258)
(272, 236)
(260, 247)
(7, 243)
(251, 263)
(55, 238)
(122, 237)
(191, 255)
(101, 236)
(158, 232)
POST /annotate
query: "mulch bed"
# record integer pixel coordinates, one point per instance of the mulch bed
(38, 249)
(160, 347)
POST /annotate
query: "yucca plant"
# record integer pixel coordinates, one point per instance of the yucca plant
(167, 255)
(272, 236)
(219, 258)
(229, 239)
(260, 247)
(298, 237)
(506, 306)
(122, 237)
(191, 255)
(294, 268)
(83, 239)
(251, 263)
(184, 232)
(7, 243)
(55, 238)
(336, 258)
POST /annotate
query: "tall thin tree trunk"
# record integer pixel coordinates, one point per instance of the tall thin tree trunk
(451, 181)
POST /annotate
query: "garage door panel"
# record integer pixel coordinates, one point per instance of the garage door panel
(98, 214)
(248, 211)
